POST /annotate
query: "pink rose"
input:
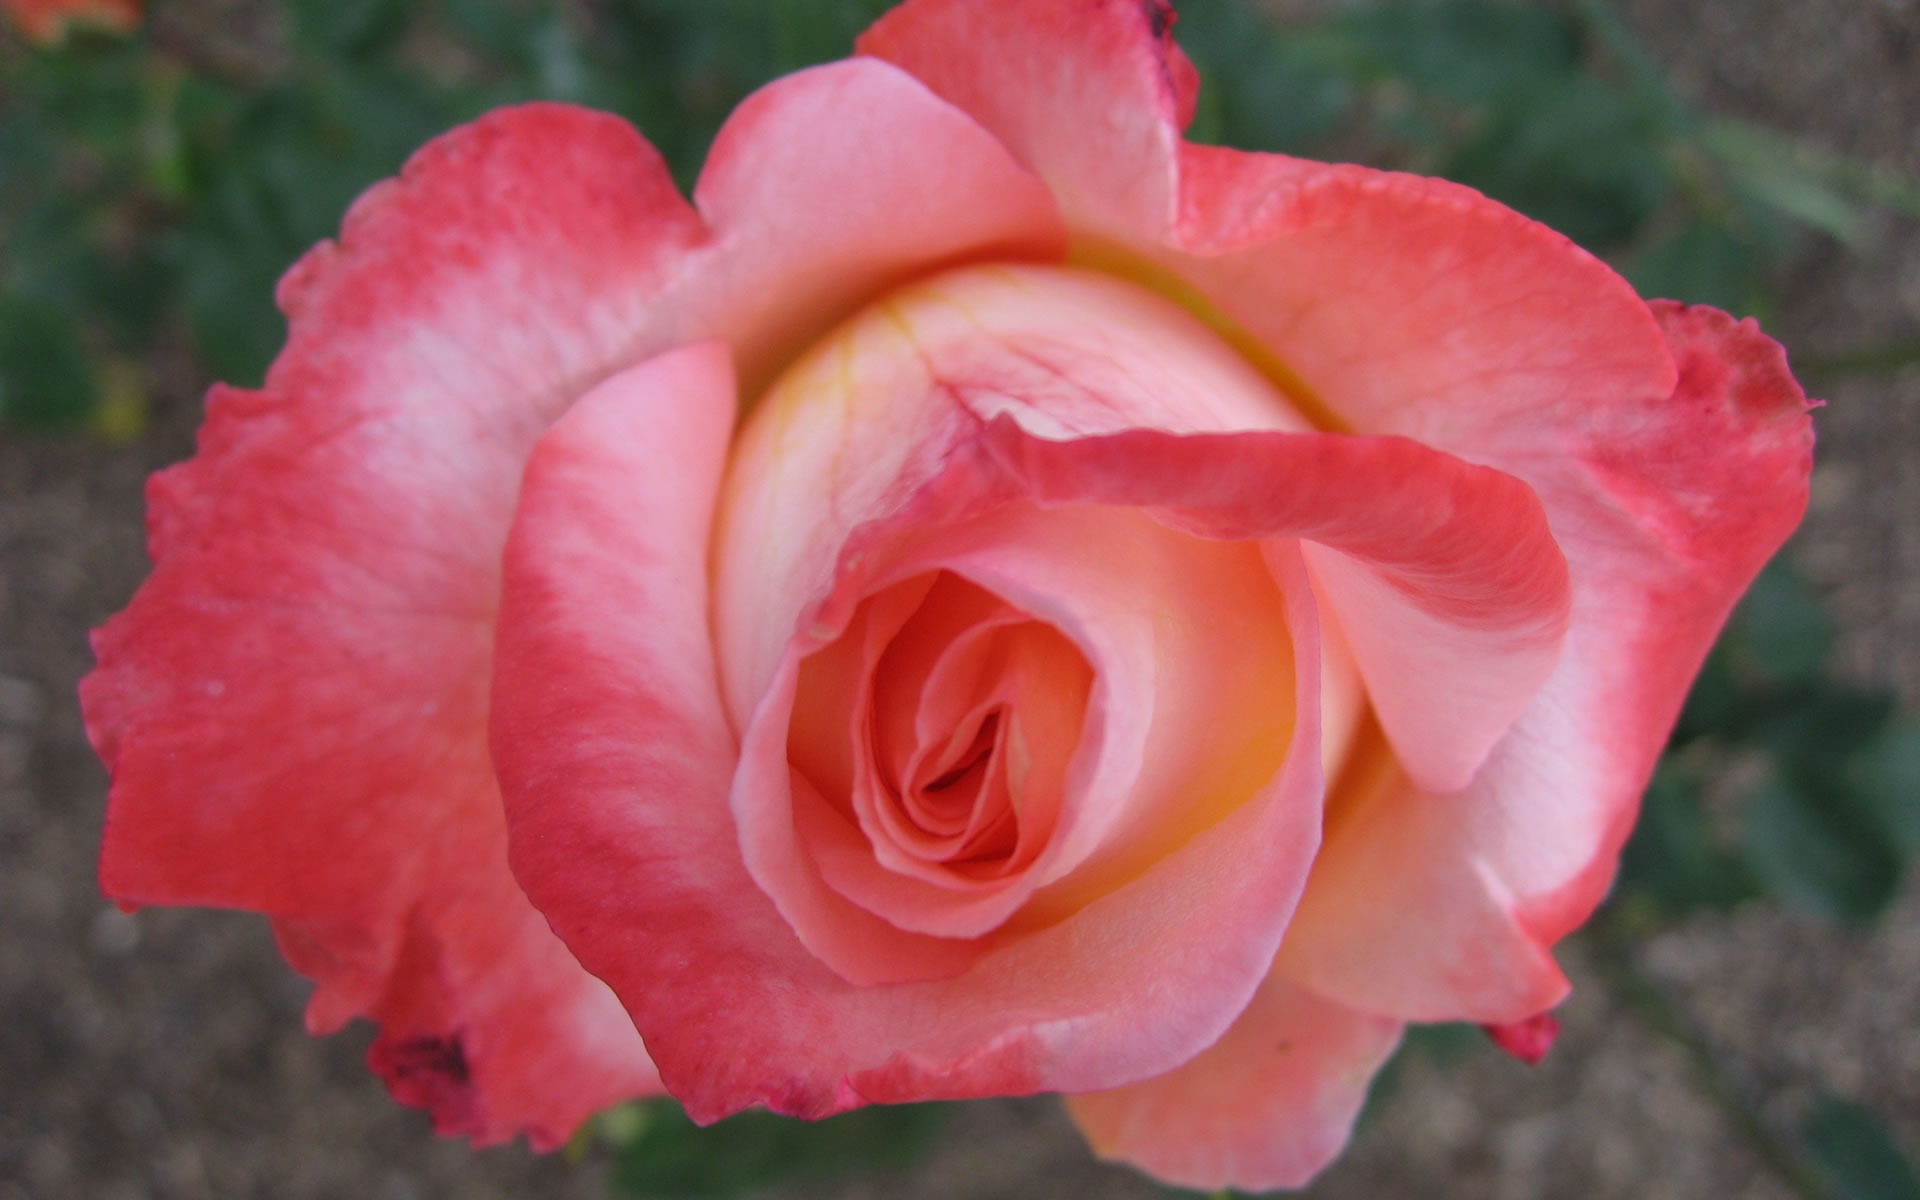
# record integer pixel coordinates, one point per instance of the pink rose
(988, 599)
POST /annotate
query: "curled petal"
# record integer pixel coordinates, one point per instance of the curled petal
(1666, 515)
(1448, 584)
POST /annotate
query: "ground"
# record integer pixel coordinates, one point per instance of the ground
(161, 1055)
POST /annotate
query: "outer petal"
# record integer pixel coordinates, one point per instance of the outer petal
(1676, 505)
(293, 708)
(613, 745)
(833, 185)
(1090, 94)
(1265, 1107)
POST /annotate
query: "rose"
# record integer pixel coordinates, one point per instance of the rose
(990, 599)
(47, 21)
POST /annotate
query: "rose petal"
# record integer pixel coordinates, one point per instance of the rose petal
(1439, 908)
(1265, 1107)
(1529, 1040)
(828, 187)
(611, 740)
(1090, 94)
(1450, 589)
(293, 707)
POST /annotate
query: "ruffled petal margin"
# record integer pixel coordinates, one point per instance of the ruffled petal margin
(293, 708)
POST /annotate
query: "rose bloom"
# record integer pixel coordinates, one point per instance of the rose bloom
(47, 21)
(989, 598)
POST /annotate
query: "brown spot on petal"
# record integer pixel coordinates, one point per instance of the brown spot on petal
(430, 1072)
(1159, 16)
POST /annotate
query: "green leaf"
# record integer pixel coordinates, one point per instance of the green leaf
(1815, 732)
(495, 29)
(332, 28)
(1765, 159)
(1602, 24)
(1446, 1042)
(1470, 51)
(1716, 705)
(1857, 1153)
(1780, 633)
(89, 90)
(29, 146)
(1887, 776)
(1579, 155)
(673, 1157)
(1673, 857)
(229, 260)
(1701, 262)
(1261, 89)
(560, 66)
(806, 32)
(46, 377)
(1804, 198)
(1812, 851)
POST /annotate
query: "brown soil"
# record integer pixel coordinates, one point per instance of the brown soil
(161, 1055)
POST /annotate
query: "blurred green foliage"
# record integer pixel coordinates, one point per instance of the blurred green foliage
(660, 1153)
(1780, 781)
(1554, 110)
(159, 185)
(1856, 1154)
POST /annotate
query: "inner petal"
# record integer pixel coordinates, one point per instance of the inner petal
(974, 798)
(947, 804)
(968, 764)
(947, 786)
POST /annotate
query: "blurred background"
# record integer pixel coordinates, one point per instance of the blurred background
(1744, 1023)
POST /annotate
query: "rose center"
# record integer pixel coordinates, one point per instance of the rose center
(959, 714)
(973, 759)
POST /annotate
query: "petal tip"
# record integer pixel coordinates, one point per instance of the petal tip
(1529, 1040)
